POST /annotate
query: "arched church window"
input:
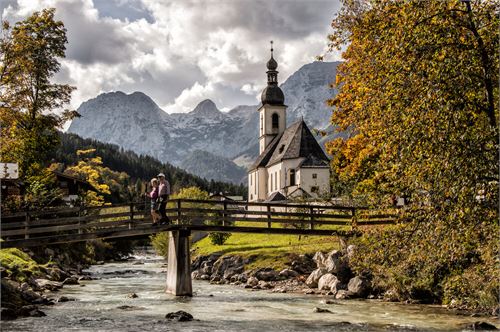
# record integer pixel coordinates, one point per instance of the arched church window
(292, 177)
(275, 120)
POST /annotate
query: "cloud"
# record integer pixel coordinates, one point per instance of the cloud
(181, 52)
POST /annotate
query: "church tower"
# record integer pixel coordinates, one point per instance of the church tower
(272, 113)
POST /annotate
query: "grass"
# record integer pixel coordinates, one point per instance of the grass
(268, 250)
(19, 265)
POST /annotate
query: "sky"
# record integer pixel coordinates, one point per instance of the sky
(180, 52)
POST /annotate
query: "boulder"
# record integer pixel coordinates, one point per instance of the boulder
(351, 251)
(195, 274)
(333, 261)
(319, 258)
(287, 273)
(71, 281)
(303, 264)
(179, 316)
(321, 310)
(48, 284)
(242, 278)
(226, 263)
(326, 281)
(132, 296)
(312, 280)
(264, 284)
(204, 277)
(266, 274)
(65, 299)
(359, 286)
(481, 326)
(56, 274)
(342, 295)
(252, 281)
(232, 271)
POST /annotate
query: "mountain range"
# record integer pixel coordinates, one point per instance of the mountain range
(207, 142)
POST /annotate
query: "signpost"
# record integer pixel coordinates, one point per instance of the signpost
(9, 171)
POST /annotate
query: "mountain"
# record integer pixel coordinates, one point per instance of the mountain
(219, 168)
(136, 123)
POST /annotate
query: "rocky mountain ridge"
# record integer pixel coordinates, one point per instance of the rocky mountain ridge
(135, 122)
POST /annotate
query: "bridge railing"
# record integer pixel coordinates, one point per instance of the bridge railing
(204, 215)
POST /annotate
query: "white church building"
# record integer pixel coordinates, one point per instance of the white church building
(291, 162)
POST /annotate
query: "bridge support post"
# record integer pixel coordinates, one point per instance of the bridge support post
(179, 264)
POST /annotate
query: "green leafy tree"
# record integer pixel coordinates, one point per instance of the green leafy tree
(417, 100)
(30, 104)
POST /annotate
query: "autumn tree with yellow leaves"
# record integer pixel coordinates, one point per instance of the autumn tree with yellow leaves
(419, 103)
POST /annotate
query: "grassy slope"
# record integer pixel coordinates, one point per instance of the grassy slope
(276, 251)
(19, 265)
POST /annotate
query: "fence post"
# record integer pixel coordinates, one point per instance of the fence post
(354, 219)
(131, 215)
(269, 216)
(311, 224)
(224, 213)
(80, 211)
(179, 212)
(26, 225)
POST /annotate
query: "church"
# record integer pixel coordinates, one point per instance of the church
(291, 162)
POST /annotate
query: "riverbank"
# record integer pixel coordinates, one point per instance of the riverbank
(105, 304)
(324, 273)
(28, 276)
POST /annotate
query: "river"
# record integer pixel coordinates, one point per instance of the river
(216, 307)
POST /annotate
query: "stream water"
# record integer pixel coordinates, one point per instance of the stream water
(216, 307)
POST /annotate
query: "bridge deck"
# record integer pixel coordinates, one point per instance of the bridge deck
(38, 228)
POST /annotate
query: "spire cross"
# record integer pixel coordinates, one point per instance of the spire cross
(272, 48)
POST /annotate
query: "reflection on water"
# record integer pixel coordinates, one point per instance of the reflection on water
(102, 305)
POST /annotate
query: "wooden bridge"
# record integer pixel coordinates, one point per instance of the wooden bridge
(55, 226)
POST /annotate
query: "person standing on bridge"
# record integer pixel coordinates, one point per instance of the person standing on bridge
(163, 193)
(153, 195)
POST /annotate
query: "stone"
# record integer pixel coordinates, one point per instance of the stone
(84, 278)
(264, 284)
(179, 316)
(342, 295)
(37, 313)
(71, 281)
(309, 292)
(333, 261)
(232, 271)
(195, 274)
(227, 263)
(252, 281)
(266, 274)
(321, 310)
(65, 299)
(48, 284)
(319, 259)
(132, 296)
(56, 274)
(312, 280)
(359, 286)
(287, 273)
(242, 278)
(31, 296)
(351, 251)
(130, 307)
(481, 326)
(326, 281)
(204, 277)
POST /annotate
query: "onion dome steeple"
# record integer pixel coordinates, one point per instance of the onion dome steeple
(272, 94)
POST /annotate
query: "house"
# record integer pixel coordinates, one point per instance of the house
(291, 162)
(71, 186)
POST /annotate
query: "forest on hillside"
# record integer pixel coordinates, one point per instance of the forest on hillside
(139, 167)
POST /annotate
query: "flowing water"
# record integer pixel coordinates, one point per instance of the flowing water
(216, 307)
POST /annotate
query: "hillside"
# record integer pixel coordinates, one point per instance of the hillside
(210, 166)
(138, 166)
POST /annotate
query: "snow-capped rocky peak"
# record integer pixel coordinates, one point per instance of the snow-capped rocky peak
(206, 108)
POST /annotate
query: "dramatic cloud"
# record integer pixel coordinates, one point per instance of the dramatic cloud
(181, 52)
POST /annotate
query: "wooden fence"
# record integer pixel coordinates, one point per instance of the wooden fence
(28, 228)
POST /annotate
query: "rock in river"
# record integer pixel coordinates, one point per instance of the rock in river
(180, 316)
(359, 286)
(312, 280)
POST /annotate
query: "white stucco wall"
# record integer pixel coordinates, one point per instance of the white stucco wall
(322, 180)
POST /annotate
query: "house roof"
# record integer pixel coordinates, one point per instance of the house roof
(296, 141)
(276, 197)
